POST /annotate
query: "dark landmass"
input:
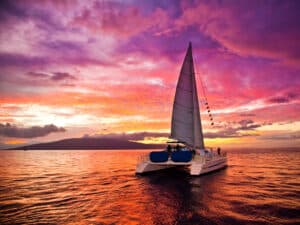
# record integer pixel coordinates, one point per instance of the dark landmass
(89, 143)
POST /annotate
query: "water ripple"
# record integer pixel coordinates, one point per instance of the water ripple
(99, 187)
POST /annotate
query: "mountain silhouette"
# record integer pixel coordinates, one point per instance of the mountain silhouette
(89, 143)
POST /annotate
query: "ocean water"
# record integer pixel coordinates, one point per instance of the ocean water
(100, 187)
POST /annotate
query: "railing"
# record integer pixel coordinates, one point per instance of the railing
(203, 158)
(214, 154)
(200, 159)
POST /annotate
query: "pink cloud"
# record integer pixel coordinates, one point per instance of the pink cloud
(122, 60)
(120, 20)
(249, 29)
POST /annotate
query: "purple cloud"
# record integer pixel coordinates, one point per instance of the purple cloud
(19, 60)
(9, 130)
(66, 47)
(55, 76)
(58, 76)
(25, 61)
(37, 75)
(234, 129)
(247, 114)
(249, 28)
(284, 98)
(100, 18)
(245, 52)
(227, 134)
(10, 8)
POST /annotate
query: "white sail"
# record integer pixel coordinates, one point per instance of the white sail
(186, 124)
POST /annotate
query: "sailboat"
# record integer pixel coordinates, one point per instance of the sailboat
(186, 130)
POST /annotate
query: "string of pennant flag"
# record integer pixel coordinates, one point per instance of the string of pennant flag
(204, 95)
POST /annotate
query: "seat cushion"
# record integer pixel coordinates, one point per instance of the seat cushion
(159, 156)
(181, 156)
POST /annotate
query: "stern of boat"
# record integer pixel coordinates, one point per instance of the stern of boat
(197, 165)
(202, 165)
(145, 165)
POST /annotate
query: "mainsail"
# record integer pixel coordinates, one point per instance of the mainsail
(186, 124)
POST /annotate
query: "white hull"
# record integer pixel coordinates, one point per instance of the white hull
(145, 167)
(208, 165)
(199, 165)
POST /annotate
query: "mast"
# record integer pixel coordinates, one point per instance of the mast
(186, 123)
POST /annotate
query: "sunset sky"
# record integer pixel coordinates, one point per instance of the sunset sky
(109, 68)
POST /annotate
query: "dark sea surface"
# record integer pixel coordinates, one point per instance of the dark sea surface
(100, 187)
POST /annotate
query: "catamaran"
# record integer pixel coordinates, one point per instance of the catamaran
(186, 130)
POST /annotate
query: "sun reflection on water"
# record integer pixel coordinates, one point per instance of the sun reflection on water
(100, 187)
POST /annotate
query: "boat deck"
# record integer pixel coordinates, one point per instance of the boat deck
(170, 162)
(197, 159)
(198, 165)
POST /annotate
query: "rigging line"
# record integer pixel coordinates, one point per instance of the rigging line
(198, 77)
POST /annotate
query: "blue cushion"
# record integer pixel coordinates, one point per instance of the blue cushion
(159, 156)
(182, 156)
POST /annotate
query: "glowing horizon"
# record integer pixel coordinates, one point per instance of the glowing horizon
(70, 69)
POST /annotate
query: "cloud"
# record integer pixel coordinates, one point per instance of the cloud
(7, 7)
(286, 136)
(228, 133)
(247, 125)
(235, 129)
(134, 49)
(136, 136)
(278, 100)
(62, 76)
(13, 10)
(19, 60)
(34, 34)
(290, 96)
(9, 130)
(248, 28)
(37, 75)
(247, 114)
(55, 76)
(244, 123)
(26, 61)
(124, 20)
(231, 131)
